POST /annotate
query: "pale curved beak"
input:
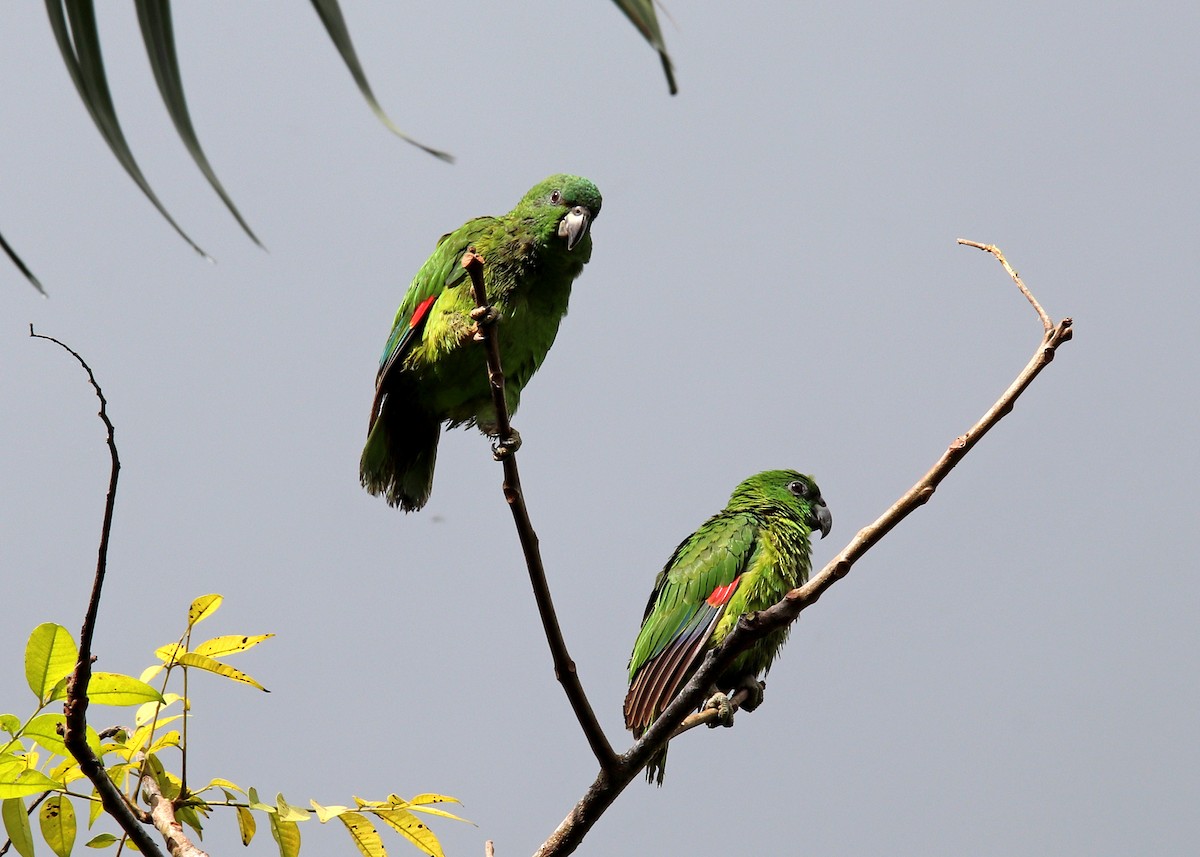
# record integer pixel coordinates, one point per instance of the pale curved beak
(574, 225)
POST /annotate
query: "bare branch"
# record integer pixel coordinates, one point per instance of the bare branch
(75, 708)
(750, 628)
(564, 667)
(162, 813)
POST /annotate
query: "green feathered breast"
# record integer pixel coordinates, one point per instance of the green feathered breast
(432, 372)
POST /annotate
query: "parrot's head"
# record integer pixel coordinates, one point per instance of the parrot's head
(567, 203)
(795, 493)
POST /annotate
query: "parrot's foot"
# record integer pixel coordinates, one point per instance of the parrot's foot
(754, 689)
(503, 448)
(724, 709)
(484, 316)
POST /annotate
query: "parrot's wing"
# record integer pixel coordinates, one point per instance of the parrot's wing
(442, 270)
(689, 599)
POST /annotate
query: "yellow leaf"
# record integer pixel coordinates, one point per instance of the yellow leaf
(150, 672)
(50, 657)
(412, 829)
(101, 840)
(287, 834)
(117, 689)
(18, 781)
(364, 834)
(255, 803)
(230, 644)
(57, 820)
(202, 608)
(431, 798)
(288, 812)
(168, 653)
(191, 659)
(246, 824)
(16, 825)
(324, 813)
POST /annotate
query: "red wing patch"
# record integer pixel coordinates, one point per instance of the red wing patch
(722, 594)
(419, 313)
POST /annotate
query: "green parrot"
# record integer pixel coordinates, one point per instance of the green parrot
(743, 559)
(432, 372)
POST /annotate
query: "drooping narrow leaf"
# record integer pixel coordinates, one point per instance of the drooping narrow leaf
(50, 656)
(191, 659)
(229, 644)
(154, 17)
(412, 829)
(421, 802)
(16, 260)
(57, 821)
(364, 834)
(16, 825)
(330, 14)
(641, 14)
(286, 834)
(80, 46)
(246, 824)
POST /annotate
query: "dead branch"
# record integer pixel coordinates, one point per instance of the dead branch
(127, 815)
(564, 667)
(611, 781)
(162, 814)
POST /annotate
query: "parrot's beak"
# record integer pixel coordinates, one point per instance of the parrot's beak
(824, 519)
(575, 225)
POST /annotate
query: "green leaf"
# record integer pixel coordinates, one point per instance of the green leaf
(154, 17)
(412, 829)
(330, 14)
(101, 840)
(191, 659)
(50, 656)
(16, 260)
(19, 781)
(167, 739)
(246, 824)
(288, 812)
(16, 825)
(57, 820)
(364, 834)
(286, 834)
(203, 607)
(10, 723)
(79, 44)
(255, 803)
(324, 813)
(117, 689)
(229, 644)
(189, 816)
(641, 14)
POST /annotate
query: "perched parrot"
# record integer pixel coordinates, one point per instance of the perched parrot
(741, 560)
(432, 372)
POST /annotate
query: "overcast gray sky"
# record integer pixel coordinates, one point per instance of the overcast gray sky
(774, 283)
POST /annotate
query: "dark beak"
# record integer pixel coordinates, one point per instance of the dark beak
(575, 225)
(824, 519)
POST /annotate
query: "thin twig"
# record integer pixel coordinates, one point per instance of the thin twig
(752, 627)
(75, 708)
(564, 667)
(1047, 324)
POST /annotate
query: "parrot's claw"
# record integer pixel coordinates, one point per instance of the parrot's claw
(754, 688)
(485, 315)
(502, 449)
(724, 709)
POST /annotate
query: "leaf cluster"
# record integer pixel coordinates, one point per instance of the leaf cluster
(38, 773)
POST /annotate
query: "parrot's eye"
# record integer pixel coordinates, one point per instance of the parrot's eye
(798, 488)
(556, 197)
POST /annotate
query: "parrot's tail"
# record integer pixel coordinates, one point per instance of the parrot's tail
(397, 461)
